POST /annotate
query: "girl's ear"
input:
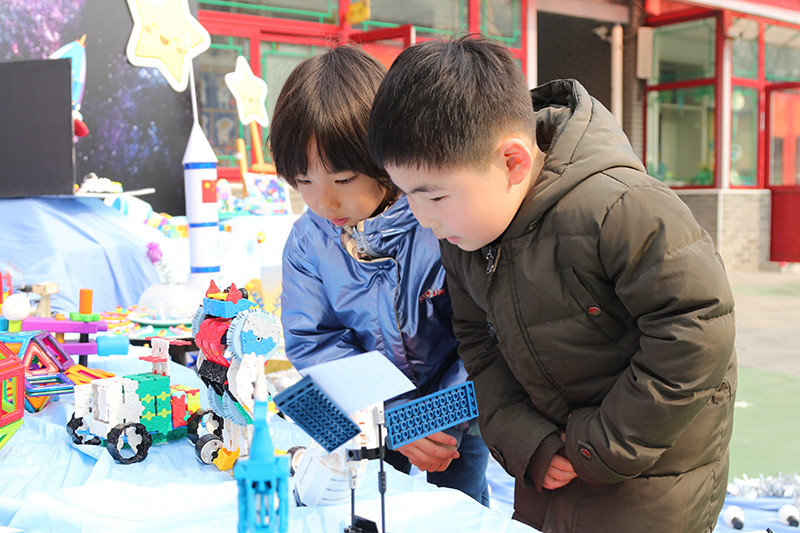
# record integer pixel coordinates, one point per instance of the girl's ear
(516, 159)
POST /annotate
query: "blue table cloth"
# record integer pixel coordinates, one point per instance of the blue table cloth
(49, 484)
(80, 243)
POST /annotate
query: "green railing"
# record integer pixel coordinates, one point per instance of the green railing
(330, 15)
(516, 32)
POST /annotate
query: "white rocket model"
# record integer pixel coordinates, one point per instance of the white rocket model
(202, 214)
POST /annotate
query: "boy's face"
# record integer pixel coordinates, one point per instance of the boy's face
(469, 208)
(344, 198)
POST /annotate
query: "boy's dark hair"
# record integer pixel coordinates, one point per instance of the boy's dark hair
(327, 100)
(444, 104)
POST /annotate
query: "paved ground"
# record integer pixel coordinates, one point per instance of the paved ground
(768, 320)
(766, 435)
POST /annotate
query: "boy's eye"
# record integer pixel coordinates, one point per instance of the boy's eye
(438, 199)
(302, 182)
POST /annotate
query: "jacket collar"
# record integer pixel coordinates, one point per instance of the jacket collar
(380, 231)
(579, 137)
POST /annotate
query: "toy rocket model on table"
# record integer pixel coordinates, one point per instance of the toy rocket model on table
(202, 211)
(202, 215)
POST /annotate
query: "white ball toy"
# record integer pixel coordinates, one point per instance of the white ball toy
(789, 514)
(733, 517)
(17, 307)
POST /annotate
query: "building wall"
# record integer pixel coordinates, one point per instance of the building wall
(632, 94)
(569, 49)
(738, 220)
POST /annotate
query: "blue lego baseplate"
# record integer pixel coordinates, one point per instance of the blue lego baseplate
(315, 412)
(225, 309)
(425, 416)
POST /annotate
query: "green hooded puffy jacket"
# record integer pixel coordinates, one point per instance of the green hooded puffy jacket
(603, 309)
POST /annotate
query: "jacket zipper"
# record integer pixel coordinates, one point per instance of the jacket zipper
(492, 255)
(361, 241)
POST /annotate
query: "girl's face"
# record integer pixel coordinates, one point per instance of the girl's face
(344, 198)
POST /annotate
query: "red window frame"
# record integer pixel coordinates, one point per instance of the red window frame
(257, 29)
(724, 19)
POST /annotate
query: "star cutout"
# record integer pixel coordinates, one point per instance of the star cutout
(250, 92)
(167, 37)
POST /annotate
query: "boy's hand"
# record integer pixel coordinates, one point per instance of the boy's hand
(432, 453)
(559, 473)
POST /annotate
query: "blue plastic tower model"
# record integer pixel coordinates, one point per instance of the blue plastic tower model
(429, 414)
(319, 416)
(262, 476)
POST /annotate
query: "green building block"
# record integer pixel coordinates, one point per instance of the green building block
(88, 317)
(155, 395)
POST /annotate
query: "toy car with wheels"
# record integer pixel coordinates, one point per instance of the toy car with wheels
(129, 414)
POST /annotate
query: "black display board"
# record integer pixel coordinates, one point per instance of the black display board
(138, 126)
(36, 151)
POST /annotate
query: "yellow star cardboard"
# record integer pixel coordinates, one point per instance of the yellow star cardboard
(250, 92)
(167, 37)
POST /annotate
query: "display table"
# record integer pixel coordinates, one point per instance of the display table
(49, 484)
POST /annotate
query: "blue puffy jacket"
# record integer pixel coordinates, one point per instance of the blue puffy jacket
(393, 298)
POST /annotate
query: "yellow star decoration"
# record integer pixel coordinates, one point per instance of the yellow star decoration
(250, 92)
(167, 37)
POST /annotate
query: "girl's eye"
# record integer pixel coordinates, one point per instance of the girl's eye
(438, 199)
(344, 182)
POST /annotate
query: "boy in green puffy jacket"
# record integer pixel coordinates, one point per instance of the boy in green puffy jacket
(593, 313)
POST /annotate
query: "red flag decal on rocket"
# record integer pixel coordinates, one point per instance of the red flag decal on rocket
(209, 191)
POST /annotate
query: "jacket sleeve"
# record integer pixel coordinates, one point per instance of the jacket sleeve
(667, 273)
(510, 425)
(312, 331)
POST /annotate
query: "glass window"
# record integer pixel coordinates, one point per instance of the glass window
(785, 137)
(744, 135)
(440, 17)
(680, 136)
(501, 19)
(745, 48)
(278, 60)
(322, 11)
(219, 118)
(684, 51)
(781, 53)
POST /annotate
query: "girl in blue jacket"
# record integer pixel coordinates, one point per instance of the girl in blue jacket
(359, 272)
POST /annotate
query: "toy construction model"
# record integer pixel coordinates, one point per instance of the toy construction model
(49, 370)
(11, 406)
(232, 333)
(329, 470)
(82, 323)
(263, 478)
(128, 414)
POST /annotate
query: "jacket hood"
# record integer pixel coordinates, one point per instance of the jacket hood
(382, 231)
(579, 137)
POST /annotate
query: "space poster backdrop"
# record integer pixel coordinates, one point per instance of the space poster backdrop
(138, 125)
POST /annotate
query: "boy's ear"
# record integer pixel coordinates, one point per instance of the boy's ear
(516, 159)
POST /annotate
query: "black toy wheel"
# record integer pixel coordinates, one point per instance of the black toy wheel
(135, 436)
(206, 448)
(78, 431)
(201, 422)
